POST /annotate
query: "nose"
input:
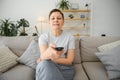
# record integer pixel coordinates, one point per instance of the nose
(55, 19)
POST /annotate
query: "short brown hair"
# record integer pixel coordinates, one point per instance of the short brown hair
(56, 10)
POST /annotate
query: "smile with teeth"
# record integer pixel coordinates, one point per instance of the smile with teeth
(56, 24)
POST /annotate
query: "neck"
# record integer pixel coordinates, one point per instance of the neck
(56, 32)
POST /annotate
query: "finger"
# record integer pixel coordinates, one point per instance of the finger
(54, 56)
(60, 52)
(52, 45)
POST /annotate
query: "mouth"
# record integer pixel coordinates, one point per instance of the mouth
(55, 24)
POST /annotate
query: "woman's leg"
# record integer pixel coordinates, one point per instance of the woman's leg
(48, 70)
(67, 71)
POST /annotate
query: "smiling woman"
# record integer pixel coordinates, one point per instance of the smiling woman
(59, 62)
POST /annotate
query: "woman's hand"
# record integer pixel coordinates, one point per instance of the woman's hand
(49, 52)
(54, 54)
(59, 54)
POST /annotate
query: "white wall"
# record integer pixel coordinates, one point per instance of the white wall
(28, 9)
(106, 17)
(105, 13)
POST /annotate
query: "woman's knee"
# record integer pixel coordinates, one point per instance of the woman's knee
(42, 63)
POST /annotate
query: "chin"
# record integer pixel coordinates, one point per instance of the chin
(56, 27)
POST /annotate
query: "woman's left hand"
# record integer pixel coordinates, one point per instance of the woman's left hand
(59, 53)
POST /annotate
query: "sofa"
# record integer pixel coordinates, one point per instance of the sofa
(87, 64)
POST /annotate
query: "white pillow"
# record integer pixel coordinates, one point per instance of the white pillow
(31, 54)
(7, 58)
(109, 46)
(111, 61)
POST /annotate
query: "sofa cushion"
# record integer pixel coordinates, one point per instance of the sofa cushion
(95, 70)
(79, 73)
(77, 58)
(111, 60)
(109, 46)
(1, 76)
(7, 58)
(19, 72)
(17, 44)
(31, 54)
(89, 46)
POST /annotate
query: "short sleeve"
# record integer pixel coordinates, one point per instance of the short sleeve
(71, 43)
(43, 40)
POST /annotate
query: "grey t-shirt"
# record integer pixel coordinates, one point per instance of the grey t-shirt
(64, 40)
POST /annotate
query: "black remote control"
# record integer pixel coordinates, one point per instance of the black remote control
(59, 48)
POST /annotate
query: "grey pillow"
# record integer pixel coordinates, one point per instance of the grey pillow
(31, 54)
(111, 60)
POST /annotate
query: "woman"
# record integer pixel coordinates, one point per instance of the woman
(54, 64)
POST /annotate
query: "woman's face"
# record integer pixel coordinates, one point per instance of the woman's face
(56, 21)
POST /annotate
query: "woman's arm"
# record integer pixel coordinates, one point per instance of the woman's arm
(44, 56)
(44, 53)
(48, 52)
(68, 60)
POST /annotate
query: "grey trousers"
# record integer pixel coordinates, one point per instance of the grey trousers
(48, 70)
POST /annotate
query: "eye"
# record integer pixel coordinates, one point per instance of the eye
(59, 18)
(52, 18)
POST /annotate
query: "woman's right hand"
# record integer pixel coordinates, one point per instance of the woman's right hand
(52, 52)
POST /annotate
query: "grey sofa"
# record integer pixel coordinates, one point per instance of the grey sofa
(87, 65)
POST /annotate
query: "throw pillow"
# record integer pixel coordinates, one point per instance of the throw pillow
(31, 54)
(7, 59)
(111, 60)
(109, 46)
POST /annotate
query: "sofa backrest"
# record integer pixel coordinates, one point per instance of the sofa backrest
(85, 47)
(88, 46)
(17, 44)
(77, 58)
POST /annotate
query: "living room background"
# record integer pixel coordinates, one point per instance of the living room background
(105, 13)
